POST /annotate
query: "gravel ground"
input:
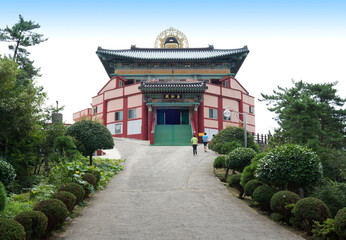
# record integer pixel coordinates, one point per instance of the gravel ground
(167, 193)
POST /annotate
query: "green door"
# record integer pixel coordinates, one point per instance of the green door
(160, 117)
(185, 116)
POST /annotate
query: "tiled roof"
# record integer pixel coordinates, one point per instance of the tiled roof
(172, 53)
(154, 87)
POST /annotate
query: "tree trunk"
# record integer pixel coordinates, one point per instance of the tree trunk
(91, 159)
(226, 175)
(301, 192)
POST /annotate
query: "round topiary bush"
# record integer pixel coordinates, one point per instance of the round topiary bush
(239, 158)
(97, 174)
(3, 197)
(311, 209)
(263, 195)
(250, 187)
(249, 171)
(234, 181)
(55, 210)
(90, 178)
(67, 198)
(340, 223)
(231, 134)
(280, 200)
(11, 230)
(75, 189)
(7, 173)
(34, 223)
(289, 167)
(219, 162)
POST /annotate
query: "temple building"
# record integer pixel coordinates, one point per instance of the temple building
(167, 93)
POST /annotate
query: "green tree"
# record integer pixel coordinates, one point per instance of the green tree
(22, 36)
(309, 114)
(90, 136)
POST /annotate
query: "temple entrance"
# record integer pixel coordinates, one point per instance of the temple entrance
(172, 116)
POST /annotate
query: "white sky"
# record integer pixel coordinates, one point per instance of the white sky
(312, 50)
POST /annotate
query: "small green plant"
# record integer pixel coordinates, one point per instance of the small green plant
(42, 191)
(7, 173)
(251, 186)
(11, 230)
(67, 198)
(280, 200)
(326, 230)
(3, 197)
(234, 181)
(90, 178)
(34, 223)
(219, 162)
(311, 209)
(249, 171)
(55, 210)
(75, 189)
(263, 195)
(340, 223)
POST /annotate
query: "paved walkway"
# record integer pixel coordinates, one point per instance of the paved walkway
(167, 193)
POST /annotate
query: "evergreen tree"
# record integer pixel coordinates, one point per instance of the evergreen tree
(309, 114)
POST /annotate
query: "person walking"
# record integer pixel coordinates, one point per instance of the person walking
(205, 141)
(194, 143)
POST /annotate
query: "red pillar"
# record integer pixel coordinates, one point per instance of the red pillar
(104, 111)
(125, 117)
(201, 118)
(220, 114)
(144, 121)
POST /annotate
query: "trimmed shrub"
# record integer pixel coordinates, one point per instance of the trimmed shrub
(340, 223)
(75, 189)
(311, 209)
(97, 175)
(234, 181)
(7, 173)
(333, 194)
(289, 167)
(239, 158)
(280, 200)
(3, 197)
(277, 217)
(229, 147)
(219, 162)
(250, 187)
(231, 134)
(34, 223)
(67, 198)
(90, 178)
(249, 171)
(55, 210)
(263, 195)
(11, 230)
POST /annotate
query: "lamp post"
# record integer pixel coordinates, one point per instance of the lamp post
(227, 113)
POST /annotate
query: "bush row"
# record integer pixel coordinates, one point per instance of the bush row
(51, 211)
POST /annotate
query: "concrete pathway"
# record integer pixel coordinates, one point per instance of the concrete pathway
(167, 193)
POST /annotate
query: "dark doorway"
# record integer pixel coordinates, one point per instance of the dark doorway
(172, 117)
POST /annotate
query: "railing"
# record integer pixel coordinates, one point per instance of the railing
(262, 138)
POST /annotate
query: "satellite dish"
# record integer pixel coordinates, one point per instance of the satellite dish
(227, 113)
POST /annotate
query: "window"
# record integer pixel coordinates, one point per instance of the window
(212, 113)
(95, 110)
(225, 84)
(250, 109)
(132, 113)
(119, 116)
(118, 128)
(121, 83)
